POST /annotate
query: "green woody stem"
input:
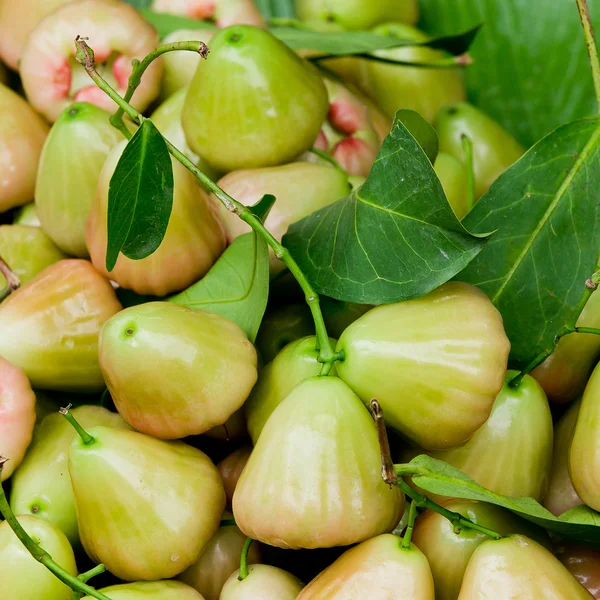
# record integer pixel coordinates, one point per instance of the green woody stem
(83, 434)
(327, 356)
(412, 515)
(39, 553)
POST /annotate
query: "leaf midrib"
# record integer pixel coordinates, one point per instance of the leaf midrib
(558, 196)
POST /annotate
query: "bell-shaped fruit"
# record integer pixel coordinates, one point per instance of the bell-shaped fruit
(453, 177)
(17, 415)
(218, 561)
(300, 189)
(21, 576)
(150, 590)
(561, 496)
(511, 453)
(68, 174)
(193, 241)
(435, 363)
(449, 551)
(314, 479)
(146, 508)
(377, 569)
(565, 372)
(516, 567)
(230, 469)
(296, 362)
(494, 149)
(207, 368)
(167, 118)
(49, 327)
(424, 90)
(358, 14)
(223, 12)
(280, 102)
(22, 135)
(584, 565)
(53, 79)
(281, 326)
(41, 485)
(28, 251)
(17, 21)
(27, 215)
(263, 582)
(179, 67)
(584, 455)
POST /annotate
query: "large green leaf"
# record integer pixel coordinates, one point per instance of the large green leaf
(546, 213)
(276, 9)
(531, 70)
(394, 238)
(438, 477)
(237, 286)
(140, 197)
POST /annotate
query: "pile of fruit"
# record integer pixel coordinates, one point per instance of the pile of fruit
(283, 315)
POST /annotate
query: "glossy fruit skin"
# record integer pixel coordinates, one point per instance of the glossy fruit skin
(28, 251)
(223, 12)
(561, 496)
(114, 28)
(511, 453)
(502, 570)
(295, 363)
(300, 189)
(22, 135)
(17, 415)
(17, 21)
(150, 590)
(283, 100)
(358, 14)
(449, 553)
(168, 497)
(322, 445)
(167, 118)
(281, 327)
(218, 561)
(231, 467)
(263, 582)
(584, 565)
(416, 88)
(494, 149)
(179, 67)
(583, 455)
(377, 569)
(453, 177)
(193, 241)
(435, 363)
(67, 179)
(27, 215)
(21, 576)
(565, 372)
(50, 326)
(207, 368)
(41, 486)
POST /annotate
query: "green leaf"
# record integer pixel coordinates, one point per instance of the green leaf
(140, 197)
(394, 238)
(546, 213)
(422, 131)
(276, 9)
(438, 477)
(166, 23)
(237, 286)
(531, 70)
(263, 207)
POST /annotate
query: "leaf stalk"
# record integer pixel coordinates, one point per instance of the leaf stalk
(590, 42)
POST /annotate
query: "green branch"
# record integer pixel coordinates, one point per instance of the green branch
(412, 515)
(85, 56)
(37, 552)
(590, 42)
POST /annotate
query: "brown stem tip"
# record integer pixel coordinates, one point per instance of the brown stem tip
(11, 278)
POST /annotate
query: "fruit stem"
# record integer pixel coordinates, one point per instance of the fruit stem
(412, 515)
(326, 157)
(83, 434)
(467, 145)
(12, 281)
(85, 577)
(392, 475)
(39, 553)
(327, 356)
(244, 559)
(590, 42)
